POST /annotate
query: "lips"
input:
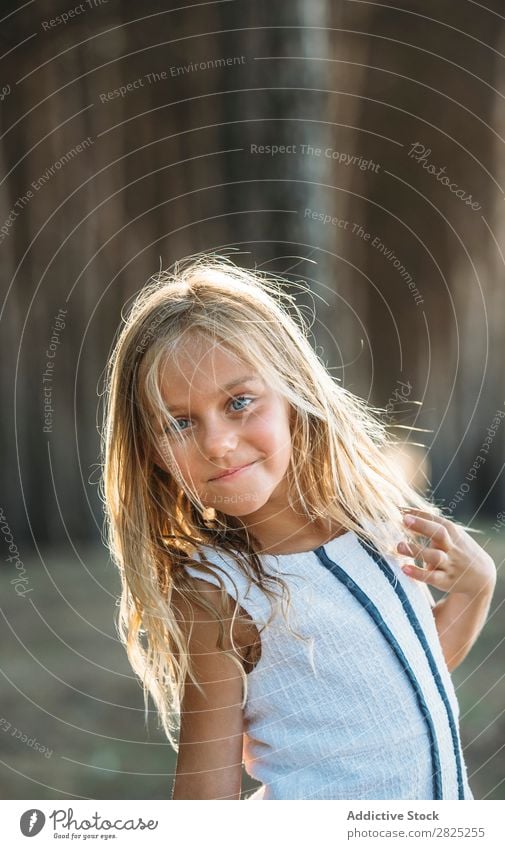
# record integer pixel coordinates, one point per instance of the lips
(228, 473)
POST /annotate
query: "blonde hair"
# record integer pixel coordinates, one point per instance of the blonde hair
(155, 524)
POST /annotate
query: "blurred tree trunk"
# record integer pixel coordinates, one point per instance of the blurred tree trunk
(167, 169)
(423, 86)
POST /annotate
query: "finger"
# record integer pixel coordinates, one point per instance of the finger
(436, 532)
(433, 557)
(434, 577)
(424, 514)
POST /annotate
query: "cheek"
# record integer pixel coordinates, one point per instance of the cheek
(163, 457)
(284, 446)
(182, 459)
(274, 437)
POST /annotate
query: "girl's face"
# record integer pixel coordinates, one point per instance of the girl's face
(228, 419)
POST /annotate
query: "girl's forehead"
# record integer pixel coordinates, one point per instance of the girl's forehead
(201, 361)
(199, 374)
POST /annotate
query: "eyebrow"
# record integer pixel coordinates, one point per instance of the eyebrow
(238, 380)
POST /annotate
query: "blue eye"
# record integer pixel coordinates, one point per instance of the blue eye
(176, 428)
(238, 398)
(177, 423)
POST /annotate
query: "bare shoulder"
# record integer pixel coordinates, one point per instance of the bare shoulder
(241, 635)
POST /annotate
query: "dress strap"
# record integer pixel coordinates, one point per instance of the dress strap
(371, 549)
(375, 614)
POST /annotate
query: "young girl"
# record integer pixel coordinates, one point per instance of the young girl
(258, 527)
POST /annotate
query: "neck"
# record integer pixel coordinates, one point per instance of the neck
(291, 533)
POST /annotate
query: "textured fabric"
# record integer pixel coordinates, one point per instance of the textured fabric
(365, 708)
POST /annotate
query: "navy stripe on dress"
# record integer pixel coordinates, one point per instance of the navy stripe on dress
(372, 610)
(409, 610)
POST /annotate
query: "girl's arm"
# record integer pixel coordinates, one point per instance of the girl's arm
(459, 619)
(457, 565)
(209, 762)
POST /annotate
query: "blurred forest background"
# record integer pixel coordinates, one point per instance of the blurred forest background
(130, 136)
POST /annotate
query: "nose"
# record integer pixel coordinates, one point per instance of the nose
(217, 439)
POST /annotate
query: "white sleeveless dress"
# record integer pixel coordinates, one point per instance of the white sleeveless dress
(364, 710)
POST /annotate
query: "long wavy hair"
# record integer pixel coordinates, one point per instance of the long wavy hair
(155, 524)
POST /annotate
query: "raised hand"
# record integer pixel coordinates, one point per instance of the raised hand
(455, 563)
